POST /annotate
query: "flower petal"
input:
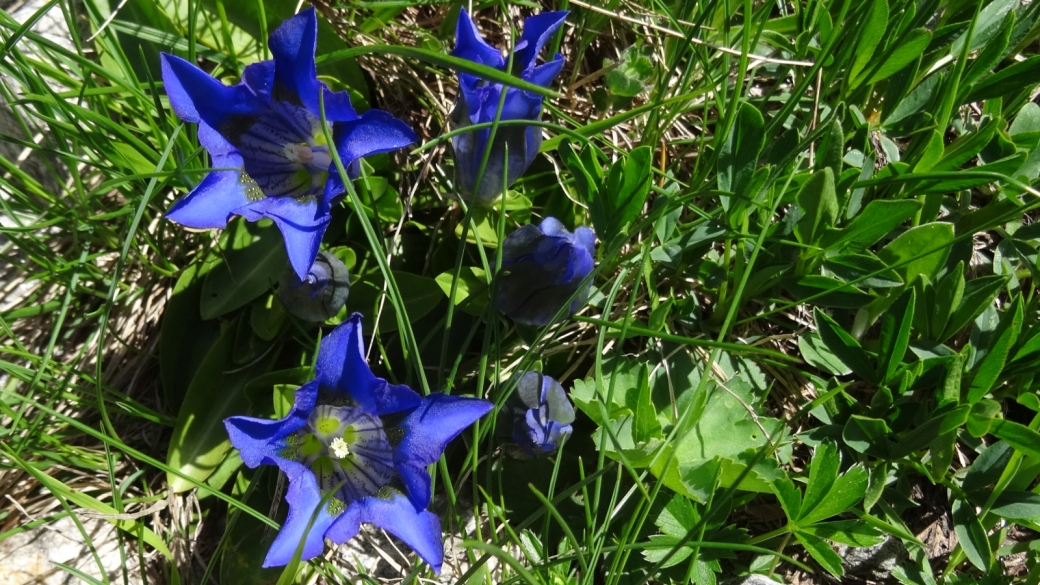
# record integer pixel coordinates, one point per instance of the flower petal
(198, 96)
(259, 78)
(211, 203)
(301, 224)
(420, 530)
(545, 73)
(374, 132)
(292, 45)
(586, 238)
(429, 428)
(341, 366)
(304, 498)
(537, 31)
(260, 439)
(338, 107)
(417, 483)
(471, 46)
(346, 525)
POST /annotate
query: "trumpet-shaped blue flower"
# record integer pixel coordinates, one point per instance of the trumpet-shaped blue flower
(542, 268)
(265, 138)
(321, 294)
(478, 102)
(543, 420)
(362, 444)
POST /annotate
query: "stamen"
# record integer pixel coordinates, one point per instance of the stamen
(298, 153)
(339, 448)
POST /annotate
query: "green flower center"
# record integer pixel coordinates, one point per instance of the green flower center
(346, 449)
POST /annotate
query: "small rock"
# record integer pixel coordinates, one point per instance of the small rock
(30, 557)
(873, 562)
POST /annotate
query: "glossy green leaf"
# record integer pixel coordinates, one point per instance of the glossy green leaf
(919, 250)
(1016, 505)
(199, 442)
(472, 286)
(867, 435)
(623, 195)
(184, 337)
(252, 261)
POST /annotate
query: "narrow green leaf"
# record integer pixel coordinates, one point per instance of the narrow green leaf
(842, 345)
(847, 490)
(877, 220)
(823, 472)
(971, 535)
(872, 31)
(915, 44)
(978, 294)
(895, 335)
(1016, 505)
(988, 371)
(1008, 80)
(821, 552)
(645, 426)
(850, 532)
(819, 203)
(789, 496)
(1019, 436)
(738, 155)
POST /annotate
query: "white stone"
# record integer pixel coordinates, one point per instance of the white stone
(30, 557)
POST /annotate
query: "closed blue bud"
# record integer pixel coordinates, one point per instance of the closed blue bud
(479, 100)
(321, 294)
(542, 269)
(266, 136)
(543, 421)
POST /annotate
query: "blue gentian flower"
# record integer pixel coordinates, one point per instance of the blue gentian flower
(478, 103)
(542, 268)
(266, 134)
(319, 295)
(543, 420)
(362, 440)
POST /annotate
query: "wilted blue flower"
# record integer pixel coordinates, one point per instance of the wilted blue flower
(542, 267)
(321, 294)
(362, 440)
(479, 99)
(266, 134)
(543, 422)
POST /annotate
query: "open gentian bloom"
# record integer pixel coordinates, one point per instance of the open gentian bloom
(265, 133)
(542, 268)
(479, 100)
(543, 421)
(361, 443)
